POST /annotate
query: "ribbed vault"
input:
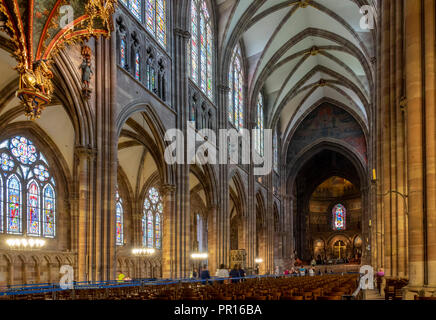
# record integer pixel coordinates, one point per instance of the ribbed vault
(299, 52)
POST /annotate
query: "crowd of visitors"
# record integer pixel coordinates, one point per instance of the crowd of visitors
(235, 275)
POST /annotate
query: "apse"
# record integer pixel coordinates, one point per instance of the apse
(329, 208)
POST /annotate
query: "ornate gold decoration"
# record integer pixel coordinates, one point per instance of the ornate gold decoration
(37, 34)
(313, 51)
(403, 104)
(304, 3)
(321, 83)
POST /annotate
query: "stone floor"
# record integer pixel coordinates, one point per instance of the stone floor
(373, 295)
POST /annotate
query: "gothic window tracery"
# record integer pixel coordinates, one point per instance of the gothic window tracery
(152, 219)
(236, 94)
(201, 47)
(27, 194)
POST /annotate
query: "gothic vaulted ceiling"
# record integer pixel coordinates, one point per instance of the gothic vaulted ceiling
(300, 53)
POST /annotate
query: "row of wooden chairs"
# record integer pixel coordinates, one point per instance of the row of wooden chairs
(393, 289)
(328, 287)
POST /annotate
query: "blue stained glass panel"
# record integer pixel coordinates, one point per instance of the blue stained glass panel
(33, 213)
(41, 173)
(157, 228)
(13, 205)
(7, 163)
(144, 230)
(339, 217)
(135, 8)
(137, 66)
(49, 207)
(24, 150)
(123, 53)
(150, 229)
(1, 204)
(119, 219)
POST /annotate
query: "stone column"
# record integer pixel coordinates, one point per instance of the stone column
(415, 159)
(212, 239)
(105, 173)
(83, 156)
(168, 231)
(430, 118)
(180, 102)
(223, 213)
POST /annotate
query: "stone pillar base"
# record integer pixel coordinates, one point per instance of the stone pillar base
(410, 292)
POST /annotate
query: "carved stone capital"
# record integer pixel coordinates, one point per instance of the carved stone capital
(85, 151)
(403, 103)
(223, 88)
(168, 189)
(213, 206)
(182, 33)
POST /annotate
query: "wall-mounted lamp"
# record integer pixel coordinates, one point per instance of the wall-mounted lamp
(143, 251)
(374, 176)
(258, 260)
(199, 256)
(24, 243)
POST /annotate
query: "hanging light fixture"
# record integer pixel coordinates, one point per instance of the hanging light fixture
(39, 36)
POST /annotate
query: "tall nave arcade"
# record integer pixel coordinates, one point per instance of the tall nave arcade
(342, 110)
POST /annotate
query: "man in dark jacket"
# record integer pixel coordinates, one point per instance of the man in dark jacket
(242, 273)
(204, 275)
(234, 273)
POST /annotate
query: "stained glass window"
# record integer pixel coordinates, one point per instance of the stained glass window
(123, 53)
(1, 204)
(119, 219)
(201, 47)
(151, 220)
(41, 173)
(259, 133)
(49, 201)
(236, 93)
(155, 16)
(137, 66)
(33, 213)
(7, 162)
(150, 229)
(135, 7)
(157, 231)
(27, 195)
(339, 217)
(14, 205)
(275, 152)
(144, 231)
(23, 150)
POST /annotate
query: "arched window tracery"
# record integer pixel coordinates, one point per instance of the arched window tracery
(151, 219)
(27, 194)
